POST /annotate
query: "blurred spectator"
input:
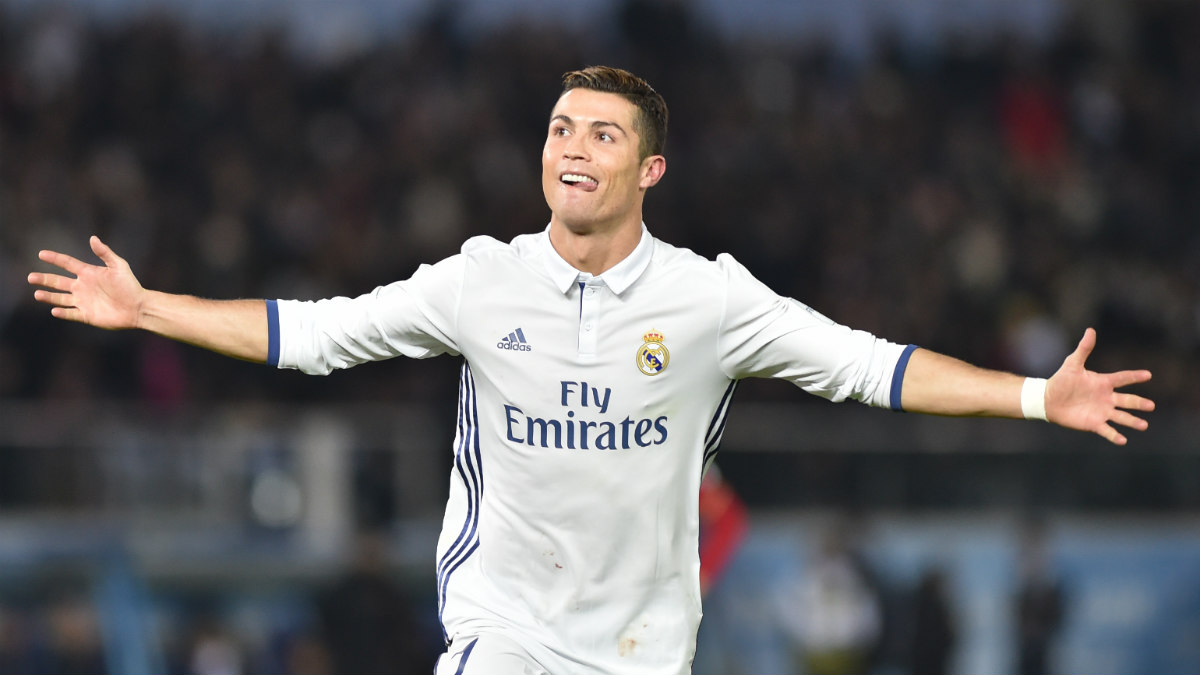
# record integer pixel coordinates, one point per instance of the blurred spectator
(307, 654)
(16, 641)
(834, 613)
(367, 620)
(214, 651)
(1040, 598)
(1032, 115)
(73, 644)
(934, 629)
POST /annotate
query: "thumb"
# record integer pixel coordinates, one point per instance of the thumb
(1084, 349)
(103, 252)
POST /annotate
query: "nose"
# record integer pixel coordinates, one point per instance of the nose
(575, 147)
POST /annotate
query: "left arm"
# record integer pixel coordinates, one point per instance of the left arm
(1075, 398)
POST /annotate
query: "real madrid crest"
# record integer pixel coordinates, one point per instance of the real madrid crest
(653, 357)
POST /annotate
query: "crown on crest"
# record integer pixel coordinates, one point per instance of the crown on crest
(653, 336)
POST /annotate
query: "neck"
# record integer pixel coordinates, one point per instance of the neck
(594, 252)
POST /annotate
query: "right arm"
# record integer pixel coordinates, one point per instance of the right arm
(110, 297)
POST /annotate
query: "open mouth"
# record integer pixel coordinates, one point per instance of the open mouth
(579, 180)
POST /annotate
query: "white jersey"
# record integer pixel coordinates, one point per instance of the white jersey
(589, 408)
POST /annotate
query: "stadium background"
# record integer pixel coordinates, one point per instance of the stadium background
(984, 178)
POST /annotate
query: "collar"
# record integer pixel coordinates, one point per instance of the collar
(618, 277)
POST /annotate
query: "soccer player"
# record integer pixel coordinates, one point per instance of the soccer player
(598, 367)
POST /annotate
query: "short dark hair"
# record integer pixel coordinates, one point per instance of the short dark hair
(650, 122)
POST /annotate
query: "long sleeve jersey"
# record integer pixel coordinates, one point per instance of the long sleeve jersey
(589, 408)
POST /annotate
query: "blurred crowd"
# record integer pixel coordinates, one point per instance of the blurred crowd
(989, 198)
(362, 618)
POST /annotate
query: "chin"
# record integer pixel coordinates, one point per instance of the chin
(578, 225)
(573, 217)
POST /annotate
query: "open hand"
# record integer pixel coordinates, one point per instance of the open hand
(1078, 398)
(107, 296)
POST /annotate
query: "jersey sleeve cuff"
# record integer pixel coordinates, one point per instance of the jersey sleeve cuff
(898, 377)
(272, 333)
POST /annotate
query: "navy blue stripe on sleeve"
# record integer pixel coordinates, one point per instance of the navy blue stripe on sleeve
(898, 377)
(272, 334)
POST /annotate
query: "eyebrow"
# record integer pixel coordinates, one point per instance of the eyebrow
(598, 124)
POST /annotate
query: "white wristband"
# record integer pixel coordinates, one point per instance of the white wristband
(1033, 398)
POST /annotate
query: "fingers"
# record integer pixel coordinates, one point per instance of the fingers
(75, 265)
(1133, 402)
(58, 283)
(1112, 435)
(64, 303)
(58, 299)
(1125, 419)
(68, 263)
(67, 313)
(55, 281)
(1129, 420)
(1125, 378)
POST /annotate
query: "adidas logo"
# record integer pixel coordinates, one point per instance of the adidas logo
(514, 341)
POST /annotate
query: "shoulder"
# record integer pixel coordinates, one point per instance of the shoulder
(522, 246)
(484, 245)
(722, 269)
(484, 252)
(722, 282)
(481, 252)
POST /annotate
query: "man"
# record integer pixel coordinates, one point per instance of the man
(598, 367)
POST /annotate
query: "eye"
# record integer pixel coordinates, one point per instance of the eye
(604, 137)
(559, 131)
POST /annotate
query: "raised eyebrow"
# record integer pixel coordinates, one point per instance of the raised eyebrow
(598, 124)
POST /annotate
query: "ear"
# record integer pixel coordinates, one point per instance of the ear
(653, 168)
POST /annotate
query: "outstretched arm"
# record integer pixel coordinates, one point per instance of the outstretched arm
(1075, 397)
(109, 296)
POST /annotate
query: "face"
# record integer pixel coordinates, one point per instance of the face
(591, 174)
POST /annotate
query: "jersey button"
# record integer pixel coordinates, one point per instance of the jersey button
(587, 326)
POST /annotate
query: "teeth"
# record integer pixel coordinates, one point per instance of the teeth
(577, 178)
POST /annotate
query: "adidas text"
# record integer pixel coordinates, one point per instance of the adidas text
(513, 346)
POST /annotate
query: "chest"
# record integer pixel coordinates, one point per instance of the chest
(592, 350)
